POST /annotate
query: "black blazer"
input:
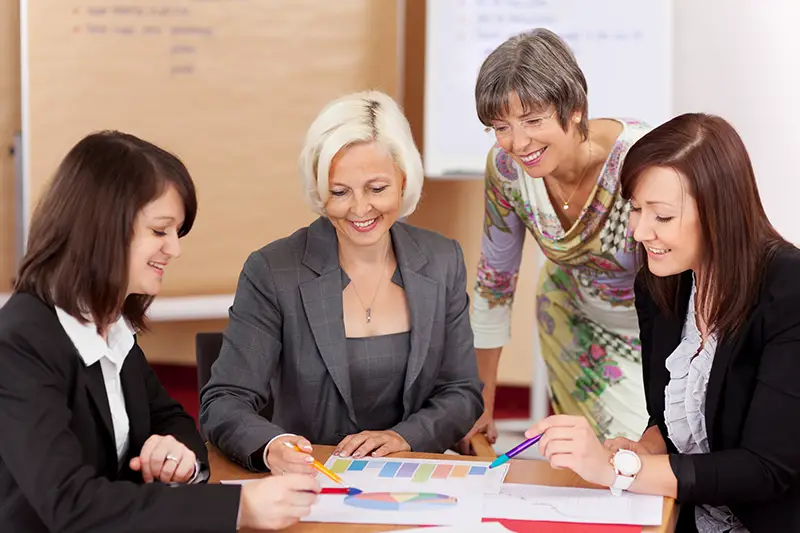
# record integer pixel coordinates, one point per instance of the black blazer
(58, 460)
(752, 403)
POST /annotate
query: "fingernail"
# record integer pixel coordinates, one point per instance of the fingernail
(307, 448)
(357, 455)
(309, 459)
(336, 452)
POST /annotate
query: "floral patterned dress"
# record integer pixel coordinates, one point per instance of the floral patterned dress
(587, 322)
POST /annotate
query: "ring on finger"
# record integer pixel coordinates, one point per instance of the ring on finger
(171, 457)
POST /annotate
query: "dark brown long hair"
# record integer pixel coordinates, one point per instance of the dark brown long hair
(739, 240)
(82, 228)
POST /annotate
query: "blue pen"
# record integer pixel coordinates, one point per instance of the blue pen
(515, 451)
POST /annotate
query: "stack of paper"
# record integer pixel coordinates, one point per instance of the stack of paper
(409, 491)
(462, 493)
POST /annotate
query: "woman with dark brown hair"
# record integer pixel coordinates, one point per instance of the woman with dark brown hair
(91, 440)
(718, 302)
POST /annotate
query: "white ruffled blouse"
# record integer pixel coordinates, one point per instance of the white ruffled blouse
(684, 412)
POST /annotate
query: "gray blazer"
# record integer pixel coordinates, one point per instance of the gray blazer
(284, 347)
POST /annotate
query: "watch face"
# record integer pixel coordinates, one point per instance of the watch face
(627, 462)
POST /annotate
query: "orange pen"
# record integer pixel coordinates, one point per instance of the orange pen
(319, 466)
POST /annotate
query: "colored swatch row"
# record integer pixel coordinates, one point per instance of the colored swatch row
(417, 472)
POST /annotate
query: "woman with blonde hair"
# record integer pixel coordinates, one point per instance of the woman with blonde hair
(355, 330)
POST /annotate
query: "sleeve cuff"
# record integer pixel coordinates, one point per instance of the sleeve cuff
(200, 475)
(683, 468)
(266, 448)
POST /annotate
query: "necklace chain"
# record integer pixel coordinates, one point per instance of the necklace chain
(368, 309)
(565, 203)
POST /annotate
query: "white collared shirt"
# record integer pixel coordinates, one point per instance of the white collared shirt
(111, 355)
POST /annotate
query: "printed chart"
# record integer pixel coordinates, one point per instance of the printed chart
(408, 491)
(418, 473)
(400, 501)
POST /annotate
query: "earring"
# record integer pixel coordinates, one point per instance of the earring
(577, 119)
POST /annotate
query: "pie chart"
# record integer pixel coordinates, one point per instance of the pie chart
(400, 501)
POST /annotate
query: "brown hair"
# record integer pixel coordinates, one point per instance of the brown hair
(538, 66)
(82, 228)
(739, 239)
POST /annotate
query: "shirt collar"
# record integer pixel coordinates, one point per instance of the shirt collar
(91, 346)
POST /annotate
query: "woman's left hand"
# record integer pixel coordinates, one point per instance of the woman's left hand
(570, 442)
(164, 458)
(380, 443)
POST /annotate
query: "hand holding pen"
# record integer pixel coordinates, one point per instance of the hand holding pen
(293, 459)
(513, 452)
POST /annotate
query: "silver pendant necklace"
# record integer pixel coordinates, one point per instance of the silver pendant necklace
(368, 309)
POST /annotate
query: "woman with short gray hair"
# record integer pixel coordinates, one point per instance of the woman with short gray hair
(555, 173)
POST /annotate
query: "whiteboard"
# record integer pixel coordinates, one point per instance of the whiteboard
(624, 48)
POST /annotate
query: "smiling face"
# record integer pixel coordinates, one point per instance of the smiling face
(155, 242)
(366, 192)
(535, 139)
(665, 219)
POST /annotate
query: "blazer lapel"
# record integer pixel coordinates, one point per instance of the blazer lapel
(667, 335)
(136, 405)
(322, 301)
(421, 294)
(97, 391)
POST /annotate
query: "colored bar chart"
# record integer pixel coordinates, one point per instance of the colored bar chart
(417, 471)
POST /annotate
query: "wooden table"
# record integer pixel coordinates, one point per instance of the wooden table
(521, 471)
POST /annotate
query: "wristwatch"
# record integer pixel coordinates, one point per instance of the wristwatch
(626, 465)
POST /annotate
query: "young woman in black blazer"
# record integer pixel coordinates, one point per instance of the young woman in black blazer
(718, 300)
(91, 440)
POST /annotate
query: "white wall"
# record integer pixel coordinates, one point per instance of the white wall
(740, 59)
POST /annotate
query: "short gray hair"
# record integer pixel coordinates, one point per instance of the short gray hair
(363, 117)
(538, 66)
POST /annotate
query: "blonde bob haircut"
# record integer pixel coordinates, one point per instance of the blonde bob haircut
(362, 117)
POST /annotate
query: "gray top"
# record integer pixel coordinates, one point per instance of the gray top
(684, 412)
(376, 363)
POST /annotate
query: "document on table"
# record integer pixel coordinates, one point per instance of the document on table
(569, 504)
(424, 474)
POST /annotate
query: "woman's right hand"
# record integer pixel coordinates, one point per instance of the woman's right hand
(282, 459)
(651, 443)
(485, 425)
(622, 443)
(276, 502)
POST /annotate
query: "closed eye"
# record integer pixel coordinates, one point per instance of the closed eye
(338, 193)
(159, 233)
(663, 220)
(379, 189)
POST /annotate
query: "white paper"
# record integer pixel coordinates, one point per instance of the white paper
(569, 504)
(424, 474)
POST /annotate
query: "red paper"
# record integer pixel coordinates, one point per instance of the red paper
(529, 526)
